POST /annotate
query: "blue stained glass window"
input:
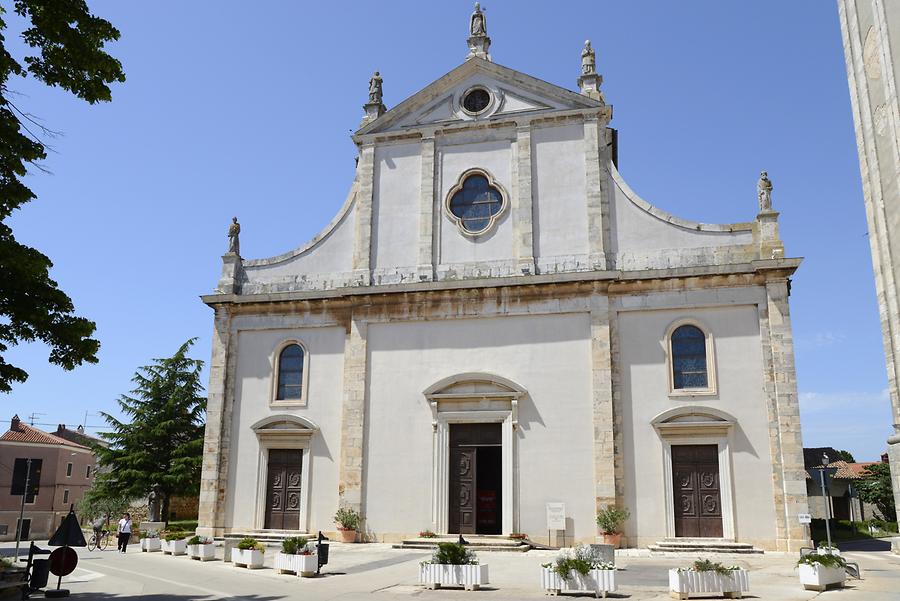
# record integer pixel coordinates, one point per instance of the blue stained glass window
(290, 373)
(689, 358)
(476, 203)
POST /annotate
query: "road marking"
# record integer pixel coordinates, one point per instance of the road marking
(208, 592)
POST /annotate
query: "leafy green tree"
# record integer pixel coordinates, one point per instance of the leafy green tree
(68, 52)
(162, 442)
(97, 503)
(875, 488)
(846, 456)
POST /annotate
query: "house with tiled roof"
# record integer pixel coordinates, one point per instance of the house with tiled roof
(841, 487)
(63, 468)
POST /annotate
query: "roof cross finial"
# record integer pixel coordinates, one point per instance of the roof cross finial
(478, 41)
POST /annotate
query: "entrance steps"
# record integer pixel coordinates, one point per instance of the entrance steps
(701, 545)
(478, 543)
(269, 538)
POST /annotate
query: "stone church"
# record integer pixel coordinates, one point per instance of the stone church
(494, 321)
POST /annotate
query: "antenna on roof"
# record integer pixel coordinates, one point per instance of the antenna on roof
(32, 416)
(84, 421)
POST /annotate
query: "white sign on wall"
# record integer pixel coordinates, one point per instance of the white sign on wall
(804, 518)
(556, 516)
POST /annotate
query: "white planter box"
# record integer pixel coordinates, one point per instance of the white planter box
(733, 585)
(150, 545)
(597, 581)
(250, 558)
(175, 547)
(202, 552)
(301, 565)
(816, 577)
(470, 577)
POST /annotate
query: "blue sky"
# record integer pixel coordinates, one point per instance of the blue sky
(233, 108)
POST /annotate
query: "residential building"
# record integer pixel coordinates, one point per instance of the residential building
(494, 321)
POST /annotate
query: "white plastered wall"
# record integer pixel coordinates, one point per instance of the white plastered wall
(644, 376)
(547, 355)
(256, 346)
(395, 208)
(559, 189)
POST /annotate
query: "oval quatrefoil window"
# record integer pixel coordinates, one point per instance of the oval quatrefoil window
(475, 202)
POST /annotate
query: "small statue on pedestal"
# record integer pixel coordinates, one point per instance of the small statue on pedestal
(376, 94)
(588, 59)
(234, 243)
(764, 192)
(154, 503)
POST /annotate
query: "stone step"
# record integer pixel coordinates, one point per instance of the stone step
(713, 545)
(477, 543)
(268, 537)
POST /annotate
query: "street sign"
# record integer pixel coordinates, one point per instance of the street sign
(63, 561)
(804, 518)
(556, 516)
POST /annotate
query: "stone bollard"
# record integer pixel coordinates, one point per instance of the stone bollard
(228, 545)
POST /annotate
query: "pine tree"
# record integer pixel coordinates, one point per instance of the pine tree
(162, 444)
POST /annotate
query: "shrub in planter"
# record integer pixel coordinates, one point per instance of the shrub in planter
(202, 548)
(610, 520)
(818, 571)
(454, 565)
(150, 542)
(174, 543)
(298, 556)
(347, 520)
(248, 553)
(427, 534)
(705, 576)
(578, 570)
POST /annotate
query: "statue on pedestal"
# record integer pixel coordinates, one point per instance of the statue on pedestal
(234, 231)
(376, 94)
(477, 22)
(764, 192)
(588, 59)
(154, 503)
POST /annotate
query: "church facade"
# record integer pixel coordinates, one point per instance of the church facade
(494, 321)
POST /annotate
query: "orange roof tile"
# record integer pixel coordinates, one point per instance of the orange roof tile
(25, 433)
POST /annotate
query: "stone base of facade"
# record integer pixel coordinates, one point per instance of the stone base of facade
(894, 458)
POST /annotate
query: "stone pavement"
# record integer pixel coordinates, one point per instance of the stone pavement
(375, 571)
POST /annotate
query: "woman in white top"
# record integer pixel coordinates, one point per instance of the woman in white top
(124, 532)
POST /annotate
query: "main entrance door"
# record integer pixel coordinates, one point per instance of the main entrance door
(475, 479)
(283, 492)
(695, 474)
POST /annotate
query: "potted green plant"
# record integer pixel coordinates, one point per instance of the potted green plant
(818, 571)
(705, 576)
(201, 548)
(347, 520)
(173, 543)
(454, 565)
(578, 570)
(248, 553)
(610, 520)
(298, 556)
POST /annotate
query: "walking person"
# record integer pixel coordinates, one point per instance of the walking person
(124, 532)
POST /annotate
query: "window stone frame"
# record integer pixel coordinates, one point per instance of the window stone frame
(303, 401)
(458, 186)
(711, 388)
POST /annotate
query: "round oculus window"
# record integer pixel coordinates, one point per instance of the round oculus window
(476, 100)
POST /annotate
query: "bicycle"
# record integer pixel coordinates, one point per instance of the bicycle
(100, 542)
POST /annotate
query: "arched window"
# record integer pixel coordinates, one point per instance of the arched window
(290, 373)
(689, 365)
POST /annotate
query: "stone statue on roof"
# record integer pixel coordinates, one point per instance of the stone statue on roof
(588, 59)
(375, 89)
(477, 22)
(764, 192)
(234, 231)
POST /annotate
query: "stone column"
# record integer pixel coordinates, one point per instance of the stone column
(522, 203)
(597, 196)
(425, 267)
(213, 478)
(602, 397)
(353, 416)
(362, 248)
(783, 407)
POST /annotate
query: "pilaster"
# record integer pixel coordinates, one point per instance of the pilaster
(362, 249)
(353, 416)
(602, 397)
(782, 405)
(425, 267)
(597, 196)
(523, 204)
(213, 478)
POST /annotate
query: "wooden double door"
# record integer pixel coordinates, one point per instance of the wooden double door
(284, 489)
(475, 479)
(698, 502)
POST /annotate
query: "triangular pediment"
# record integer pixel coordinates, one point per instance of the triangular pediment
(511, 92)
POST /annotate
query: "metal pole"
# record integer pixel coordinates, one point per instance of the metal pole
(22, 509)
(827, 512)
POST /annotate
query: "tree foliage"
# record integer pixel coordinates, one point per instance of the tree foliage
(97, 503)
(67, 43)
(161, 442)
(875, 488)
(846, 456)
